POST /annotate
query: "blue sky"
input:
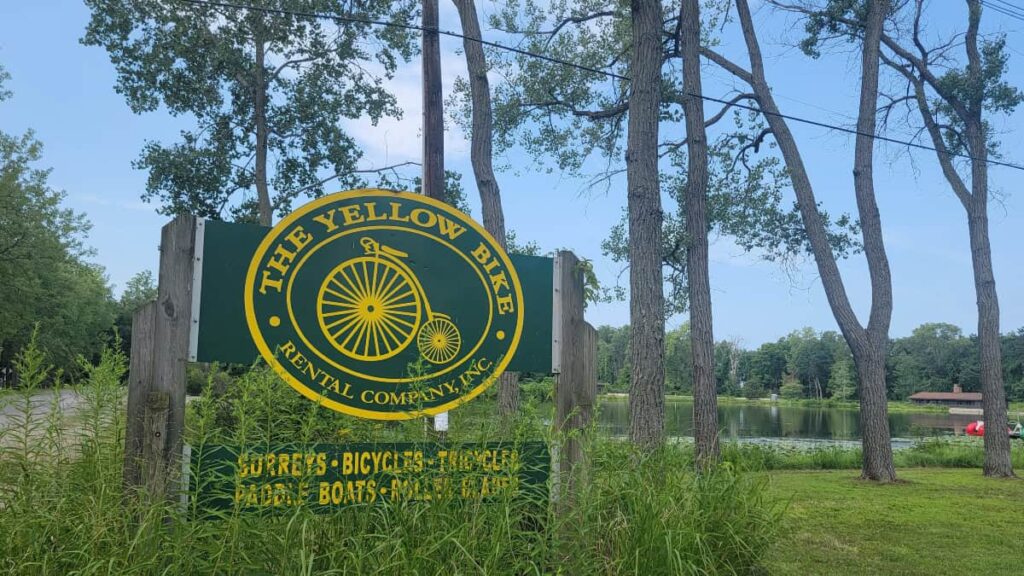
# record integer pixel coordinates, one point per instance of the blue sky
(64, 91)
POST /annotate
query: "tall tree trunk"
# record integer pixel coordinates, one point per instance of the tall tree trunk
(877, 448)
(482, 134)
(875, 438)
(433, 107)
(646, 299)
(266, 211)
(705, 400)
(481, 154)
(868, 344)
(997, 442)
(974, 199)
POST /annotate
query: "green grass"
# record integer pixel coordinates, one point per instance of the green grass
(937, 522)
(62, 508)
(936, 453)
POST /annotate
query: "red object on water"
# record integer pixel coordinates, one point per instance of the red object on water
(976, 428)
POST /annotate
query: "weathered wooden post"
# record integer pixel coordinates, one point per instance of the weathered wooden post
(433, 105)
(140, 376)
(156, 403)
(576, 371)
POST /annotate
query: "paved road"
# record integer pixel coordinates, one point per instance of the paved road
(12, 404)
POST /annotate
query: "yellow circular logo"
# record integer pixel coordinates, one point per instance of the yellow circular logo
(383, 305)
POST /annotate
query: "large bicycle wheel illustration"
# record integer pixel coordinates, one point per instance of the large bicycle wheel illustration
(372, 307)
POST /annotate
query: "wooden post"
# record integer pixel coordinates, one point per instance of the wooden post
(433, 136)
(576, 365)
(140, 378)
(433, 106)
(164, 409)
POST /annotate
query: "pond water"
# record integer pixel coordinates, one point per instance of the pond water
(801, 423)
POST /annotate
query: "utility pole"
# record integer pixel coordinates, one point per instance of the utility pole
(433, 136)
(433, 120)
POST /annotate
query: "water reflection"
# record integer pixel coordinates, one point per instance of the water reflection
(799, 422)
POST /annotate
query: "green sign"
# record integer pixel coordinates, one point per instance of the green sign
(327, 477)
(220, 333)
(383, 305)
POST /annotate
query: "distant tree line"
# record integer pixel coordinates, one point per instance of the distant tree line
(50, 287)
(809, 364)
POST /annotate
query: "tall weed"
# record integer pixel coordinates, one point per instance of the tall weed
(638, 514)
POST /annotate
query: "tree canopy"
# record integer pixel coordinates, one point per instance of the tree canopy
(48, 282)
(268, 92)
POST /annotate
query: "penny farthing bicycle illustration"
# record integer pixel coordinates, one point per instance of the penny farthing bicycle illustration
(372, 307)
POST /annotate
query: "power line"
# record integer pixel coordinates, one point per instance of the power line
(543, 57)
(1005, 8)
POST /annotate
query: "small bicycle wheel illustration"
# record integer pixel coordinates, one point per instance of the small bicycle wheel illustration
(439, 340)
(369, 308)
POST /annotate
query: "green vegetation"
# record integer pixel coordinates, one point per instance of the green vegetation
(62, 506)
(48, 280)
(951, 453)
(817, 366)
(60, 491)
(935, 522)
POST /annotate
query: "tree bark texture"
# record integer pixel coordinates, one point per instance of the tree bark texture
(974, 198)
(164, 411)
(481, 157)
(875, 434)
(140, 378)
(997, 442)
(868, 344)
(433, 107)
(266, 211)
(482, 133)
(705, 401)
(646, 300)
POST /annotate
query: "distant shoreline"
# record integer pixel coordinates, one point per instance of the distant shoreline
(1016, 408)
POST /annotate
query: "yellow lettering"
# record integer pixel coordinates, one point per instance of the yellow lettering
(299, 238)
(371, 213)
(351, 214)
(281, 260)
(418, 216)
(311, 371)
(287, 349)
(327, 219)
(499, 281)
(298, 360)
(449, 228)
(395, 209)
(506, 305)
(266, 281)
(482, 254)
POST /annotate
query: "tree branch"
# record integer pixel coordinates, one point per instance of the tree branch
(934, 131)
(729, 66)
(589, 114)
(392, 168)
(673, 146)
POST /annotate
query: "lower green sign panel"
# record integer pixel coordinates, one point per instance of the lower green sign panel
(326, 477)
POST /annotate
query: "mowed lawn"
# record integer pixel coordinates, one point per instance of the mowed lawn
(939, 521)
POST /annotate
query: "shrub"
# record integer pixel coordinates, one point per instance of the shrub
(791, 389)
(64, 511)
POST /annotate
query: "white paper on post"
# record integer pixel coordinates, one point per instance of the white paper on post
(441, 422)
